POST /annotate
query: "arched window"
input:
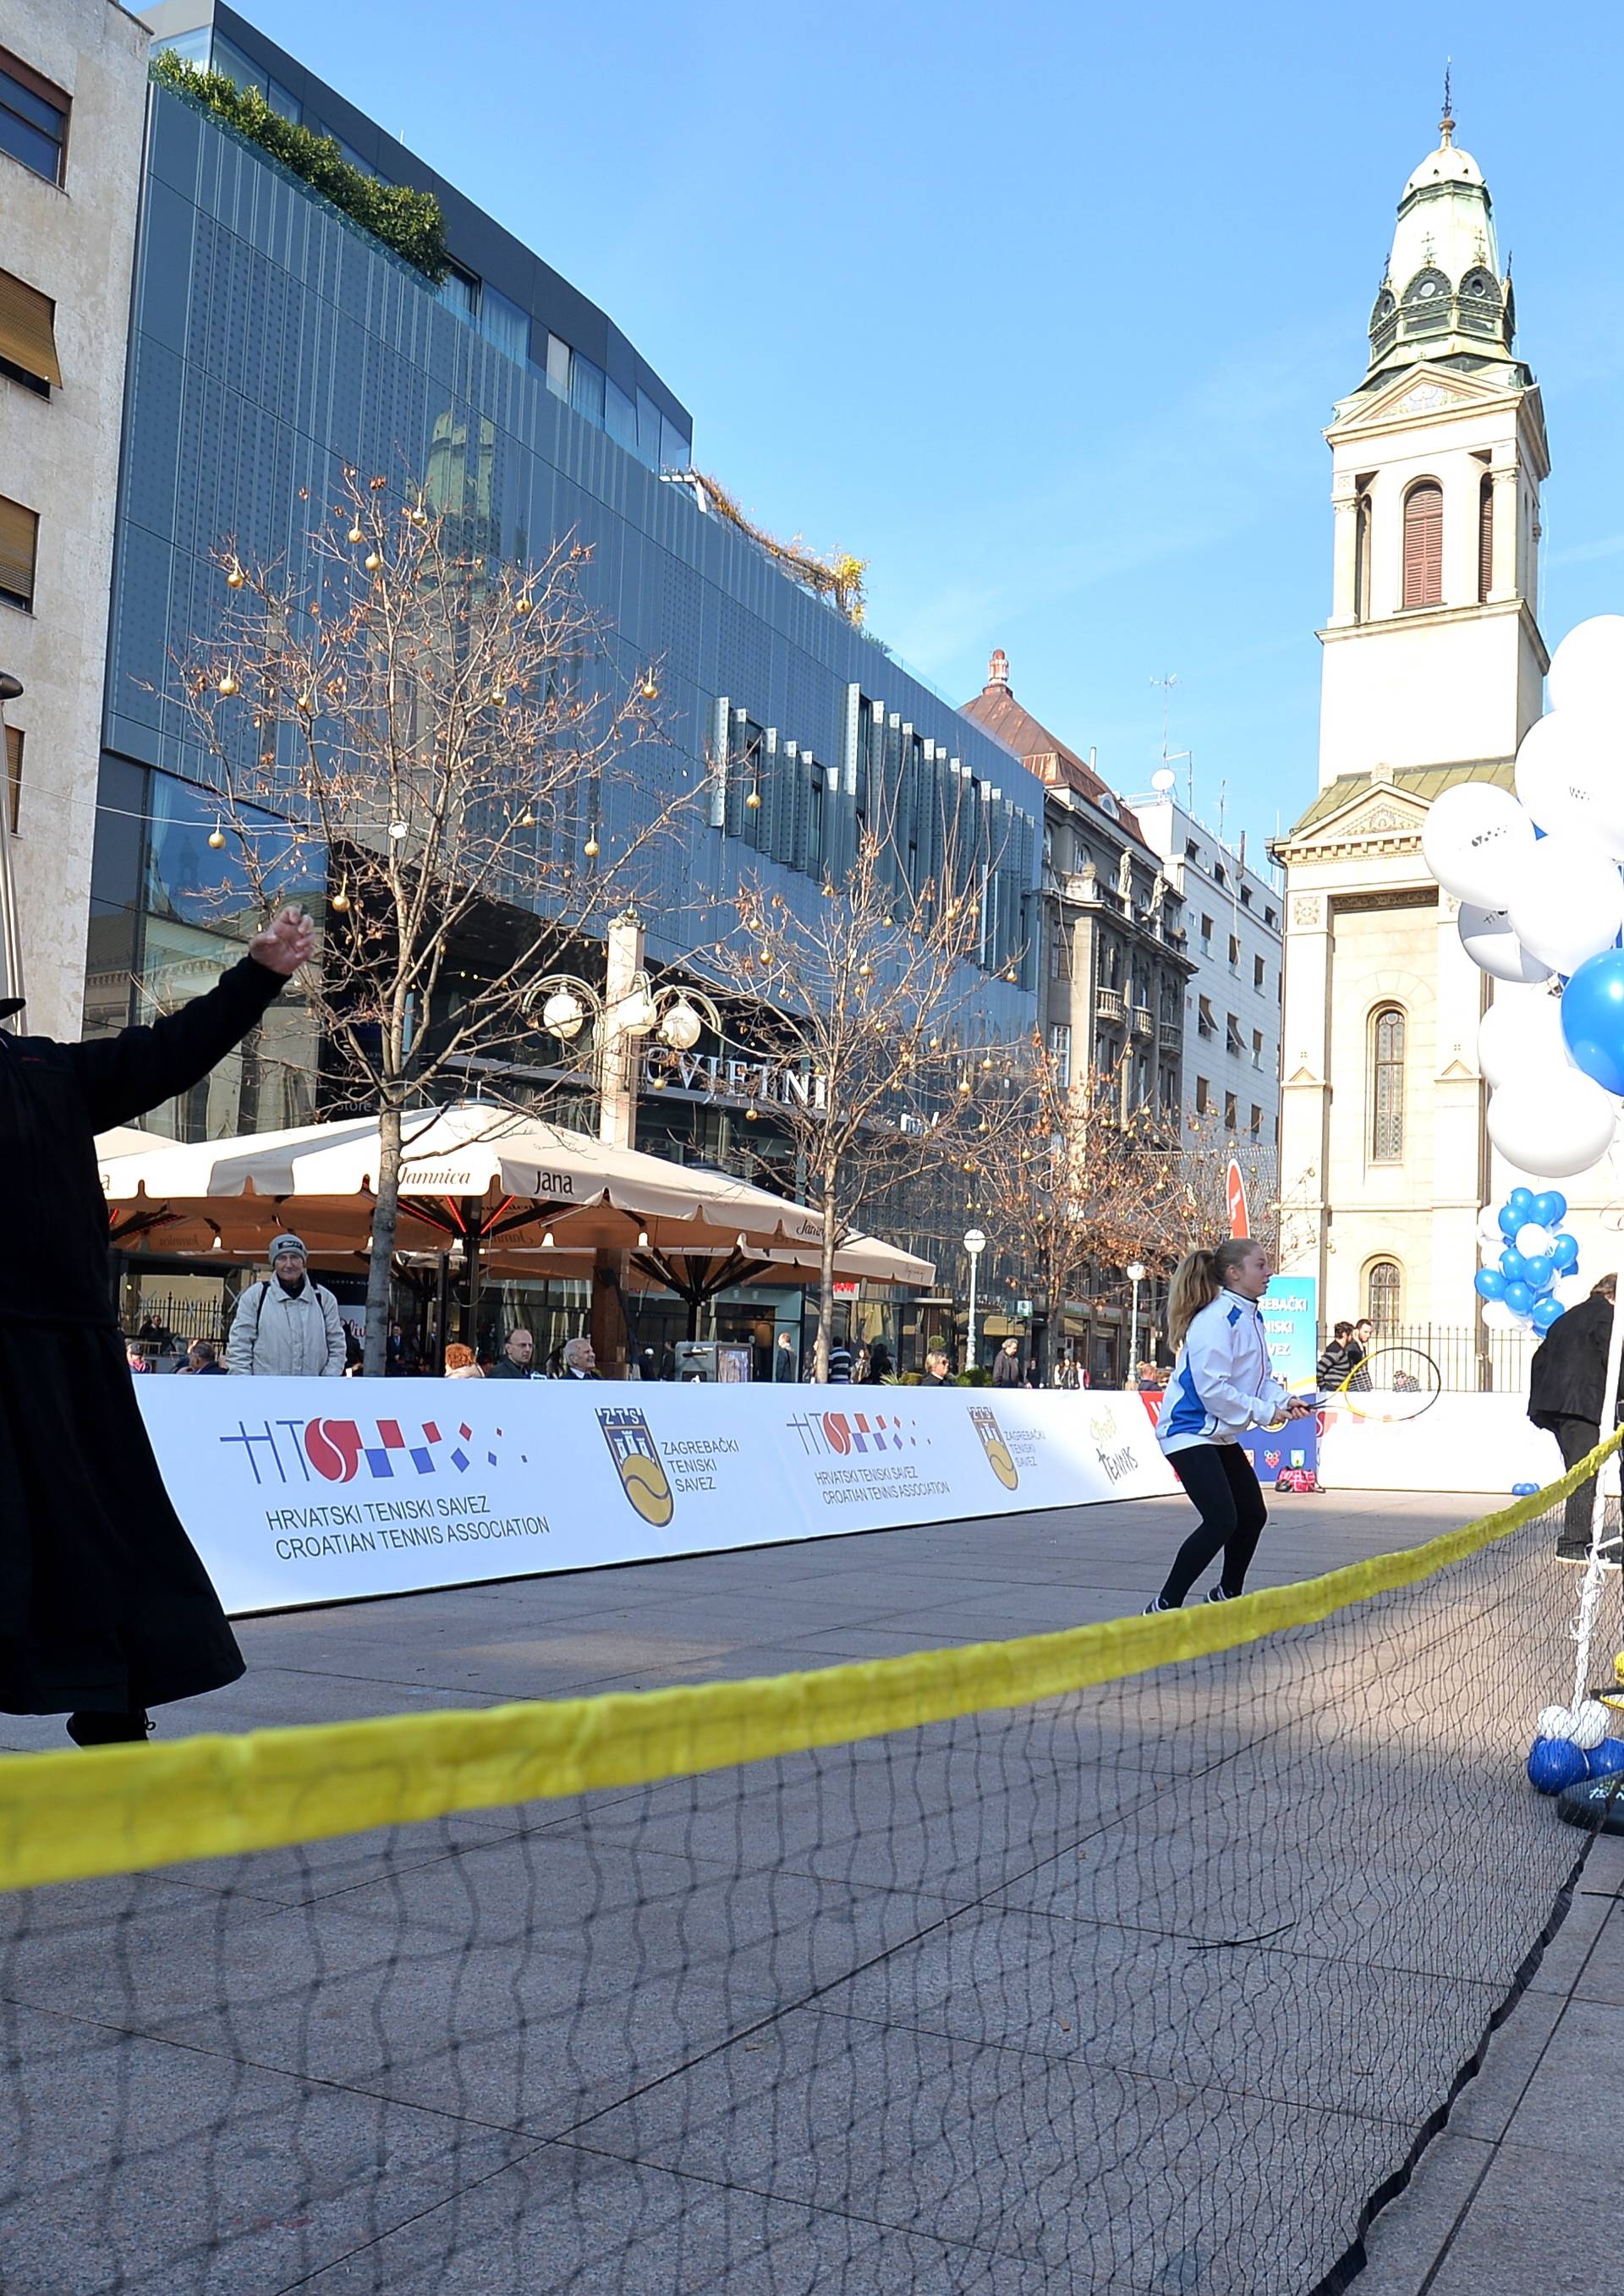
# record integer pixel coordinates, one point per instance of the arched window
(1384, 1296)
(1485, 539)
(1387, 1085)
(1423, 544)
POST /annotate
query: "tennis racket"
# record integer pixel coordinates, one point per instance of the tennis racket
(1390, 1384)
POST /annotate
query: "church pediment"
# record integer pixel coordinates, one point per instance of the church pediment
(1376, 816)
(1421, 395)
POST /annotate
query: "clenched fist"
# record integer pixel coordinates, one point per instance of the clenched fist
(287, 942)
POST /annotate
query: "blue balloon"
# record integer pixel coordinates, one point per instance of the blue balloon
(1523, 1490)
(1537, 1270)
(1519, 1298)
(1553, 1763)
(1593, 1018)
(1521, 1201)
(1490, 1284)
(1550, 1207)
(1511, 1266)
(1564, 1253)
(1607, 1759)
(1510, 1222)
(1547, 1312)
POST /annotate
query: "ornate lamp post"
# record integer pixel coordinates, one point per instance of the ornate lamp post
(627, 1008)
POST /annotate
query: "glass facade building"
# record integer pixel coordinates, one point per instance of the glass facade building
(273, 342)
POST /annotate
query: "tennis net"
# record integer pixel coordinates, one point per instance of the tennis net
(1143, 1957)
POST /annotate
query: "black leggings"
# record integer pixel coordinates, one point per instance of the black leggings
(1221, 1478)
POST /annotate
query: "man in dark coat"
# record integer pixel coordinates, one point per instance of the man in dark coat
(1567, 1386)
(105, 1609)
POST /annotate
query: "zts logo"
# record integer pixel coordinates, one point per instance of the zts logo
(992, 1443)
(637, 1463)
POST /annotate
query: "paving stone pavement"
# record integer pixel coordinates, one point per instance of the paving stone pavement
(525, 2168)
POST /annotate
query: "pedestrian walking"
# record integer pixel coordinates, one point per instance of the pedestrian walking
(880, 1365)
(105, 1609)
(840, 1365)
(288, 1326)
(1337, 1357)
(1007, 1365)
(1358, 1352)
(517, 1357)
(936, 1374)
(785, 1366)
(1567, 1388)
(1222, 1385)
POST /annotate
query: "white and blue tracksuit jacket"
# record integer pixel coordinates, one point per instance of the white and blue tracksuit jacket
(1222, 1383)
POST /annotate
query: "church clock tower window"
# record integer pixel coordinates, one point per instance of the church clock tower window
(1485, 538)
(1423, 544)
(1387, 1085)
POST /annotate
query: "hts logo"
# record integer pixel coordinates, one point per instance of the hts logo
(840, 1434)
(337, 1450)
(637, 1463)
(992, 1443)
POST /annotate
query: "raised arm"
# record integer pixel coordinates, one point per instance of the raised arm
(122, 1076)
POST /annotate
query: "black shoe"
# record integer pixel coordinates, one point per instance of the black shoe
(1572, 1550)
(100, 1729)
(1160, 1603)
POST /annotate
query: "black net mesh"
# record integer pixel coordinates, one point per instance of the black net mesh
(1153, 1988)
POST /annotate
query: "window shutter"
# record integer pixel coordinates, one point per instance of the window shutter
(18, 535)
(27, 330)
(1485, 539)
(1423, 544)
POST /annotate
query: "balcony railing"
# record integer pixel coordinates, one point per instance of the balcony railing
(1145, 1020)
(1171, 1036)
(1108, 1003)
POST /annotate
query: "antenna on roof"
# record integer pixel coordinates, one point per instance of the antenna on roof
(1446, 126)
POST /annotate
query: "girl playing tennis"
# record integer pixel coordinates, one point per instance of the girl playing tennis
(1221, 1386)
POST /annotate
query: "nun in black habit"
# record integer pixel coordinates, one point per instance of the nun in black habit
(105, 1609)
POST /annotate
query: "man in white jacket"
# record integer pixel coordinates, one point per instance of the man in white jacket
(289, 1327)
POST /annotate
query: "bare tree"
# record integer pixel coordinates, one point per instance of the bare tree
(871, 1001)
(1083, 1184)
(445, 736)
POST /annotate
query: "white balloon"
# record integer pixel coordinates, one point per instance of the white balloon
(1568, 901)
(1588, 667)
(1489, 941)
(1491, 1236)
(1476, 841)
(1533, 1238)
(1520, 1038)
(1498, 1317)
(1591, 1724)
(1568, 776)
(1553, 1124)
(1570, 1289)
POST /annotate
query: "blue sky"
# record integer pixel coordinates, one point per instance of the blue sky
(1041, 309)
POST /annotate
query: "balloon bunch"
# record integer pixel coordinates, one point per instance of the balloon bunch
(1531, 1271)
(1572, 1743)
(1542, 902)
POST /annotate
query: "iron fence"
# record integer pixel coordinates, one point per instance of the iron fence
(1470, 1361)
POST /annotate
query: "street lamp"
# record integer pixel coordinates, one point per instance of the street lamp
(1136, 1277)
(976, 1244)
(625, 1010)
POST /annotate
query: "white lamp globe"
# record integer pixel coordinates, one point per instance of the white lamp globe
(680, 1027)
(564, 1013)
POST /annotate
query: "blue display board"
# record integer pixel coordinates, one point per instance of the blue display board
(1270, 1448)
(1290, 1320)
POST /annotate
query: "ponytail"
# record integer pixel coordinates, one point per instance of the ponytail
(1198, 1280)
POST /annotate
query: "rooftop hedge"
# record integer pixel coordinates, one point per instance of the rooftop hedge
(409, 222)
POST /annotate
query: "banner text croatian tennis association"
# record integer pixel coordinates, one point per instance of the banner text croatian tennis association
(306, 1490)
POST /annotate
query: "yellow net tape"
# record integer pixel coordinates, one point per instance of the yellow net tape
(67, 1817)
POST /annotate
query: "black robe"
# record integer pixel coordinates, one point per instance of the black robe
(104, 1605)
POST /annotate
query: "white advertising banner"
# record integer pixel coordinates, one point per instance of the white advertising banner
(1459, 1443)
(302, 1491)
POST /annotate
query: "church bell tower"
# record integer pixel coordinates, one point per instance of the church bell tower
(1432, 654)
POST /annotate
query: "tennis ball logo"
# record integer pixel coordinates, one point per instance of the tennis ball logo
(637, 1463)
(992, 1443)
